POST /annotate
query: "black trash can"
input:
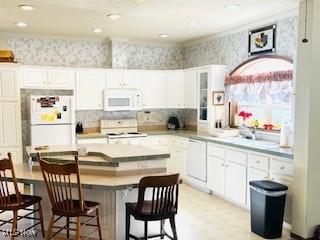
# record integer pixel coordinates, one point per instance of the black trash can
(267, 201)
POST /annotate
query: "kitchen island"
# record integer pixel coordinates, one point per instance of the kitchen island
(110, 175)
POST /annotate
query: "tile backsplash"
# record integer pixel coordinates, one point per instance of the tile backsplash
(91, 119)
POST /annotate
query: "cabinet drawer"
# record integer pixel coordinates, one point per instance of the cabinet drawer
(180, 142)
(159, 140)
(236, 156)
(258, 161)
(216, 151)
(281, 167)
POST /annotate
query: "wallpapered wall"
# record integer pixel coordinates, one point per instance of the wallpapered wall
(233, 49)
(230, 50)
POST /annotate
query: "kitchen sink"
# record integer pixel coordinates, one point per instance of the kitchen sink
(254, 143)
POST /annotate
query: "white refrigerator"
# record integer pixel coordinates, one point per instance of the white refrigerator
(52, 120)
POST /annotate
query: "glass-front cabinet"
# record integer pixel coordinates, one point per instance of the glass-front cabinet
(203, 77)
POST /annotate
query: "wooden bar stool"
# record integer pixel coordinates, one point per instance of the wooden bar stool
(59, 187)
(13, 200)
(162, 206)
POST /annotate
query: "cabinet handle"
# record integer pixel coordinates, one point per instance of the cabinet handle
(257, 161)
(266, 178)
(282, 168)
(227, 165)
(222, 164)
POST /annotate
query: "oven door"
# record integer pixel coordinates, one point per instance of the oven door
(118, 101)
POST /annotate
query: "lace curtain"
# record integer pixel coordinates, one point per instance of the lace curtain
(262, 88)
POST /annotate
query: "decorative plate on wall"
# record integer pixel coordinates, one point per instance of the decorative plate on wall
(262, 40)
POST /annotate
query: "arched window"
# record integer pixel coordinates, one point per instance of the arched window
(263, 86)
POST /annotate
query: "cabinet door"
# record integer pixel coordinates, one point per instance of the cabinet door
(236, 183)
(8, 85)
(255, 175)
(216, 175)
(132, 79)
(15, 154)
(204, 98)
(114, 79)
(89, 90)
(9, 124)
(175, 89)
(33, 77)
(154, 89)
(190, 89)
(61, 79)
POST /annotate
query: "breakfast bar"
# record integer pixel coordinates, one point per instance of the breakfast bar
(109, 175)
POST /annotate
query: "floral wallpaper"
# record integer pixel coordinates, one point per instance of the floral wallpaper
(233, 49)
(230, 50)
(57, 52)
(146, 56)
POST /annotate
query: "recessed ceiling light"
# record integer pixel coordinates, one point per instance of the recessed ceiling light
(232, 6)
(26, 7)
(192, 24)
(113, 16)
(163, 35)
(21, 24)
(96, 30)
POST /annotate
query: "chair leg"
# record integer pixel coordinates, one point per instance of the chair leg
(41, 220)
(127, 224)
(68, 226)
(14, 224)
(50, 228)
(78, 229)
(98, 223)
(162, 229)
(145, 230)
(173, 227)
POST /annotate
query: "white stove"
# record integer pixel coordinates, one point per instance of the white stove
(122, 128)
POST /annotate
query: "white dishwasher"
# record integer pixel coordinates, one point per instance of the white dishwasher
(197, 160)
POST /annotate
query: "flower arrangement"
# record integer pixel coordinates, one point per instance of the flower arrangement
(245, 115)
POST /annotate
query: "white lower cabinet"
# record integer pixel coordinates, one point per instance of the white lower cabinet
(236, 183)
(255, 175)
(231, 169)
(216, 175)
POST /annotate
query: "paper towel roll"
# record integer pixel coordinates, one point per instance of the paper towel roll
(285, 135)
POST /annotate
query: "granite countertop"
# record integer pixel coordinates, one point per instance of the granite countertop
(99, 154)
(251, 145)
(89, 181)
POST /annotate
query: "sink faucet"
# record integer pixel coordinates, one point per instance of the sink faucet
(252, 131)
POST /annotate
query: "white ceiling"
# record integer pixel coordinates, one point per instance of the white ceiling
(140, 20)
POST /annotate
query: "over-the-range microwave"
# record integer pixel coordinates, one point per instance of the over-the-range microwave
(122, 100)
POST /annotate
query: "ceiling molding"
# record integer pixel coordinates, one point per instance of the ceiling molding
(245, 27)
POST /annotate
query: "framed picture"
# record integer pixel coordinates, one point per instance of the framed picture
(262, 40)
(218, 98)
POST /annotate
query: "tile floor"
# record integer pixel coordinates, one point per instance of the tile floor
(205, 217)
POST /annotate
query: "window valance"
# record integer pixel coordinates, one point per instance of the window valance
(276, 76)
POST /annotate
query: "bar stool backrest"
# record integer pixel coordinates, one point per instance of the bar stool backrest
(165, 191)
(6, 170)
(58, 181)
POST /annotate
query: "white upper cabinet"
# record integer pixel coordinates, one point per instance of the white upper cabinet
(61, 79)
(10, 124)
(132, 79)
(47, 78)
(8, 84)
(90, 85)
(114, 79)
(154, 89)
(175, 88)
(34, 77)
(128, 79)
(190, 89)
